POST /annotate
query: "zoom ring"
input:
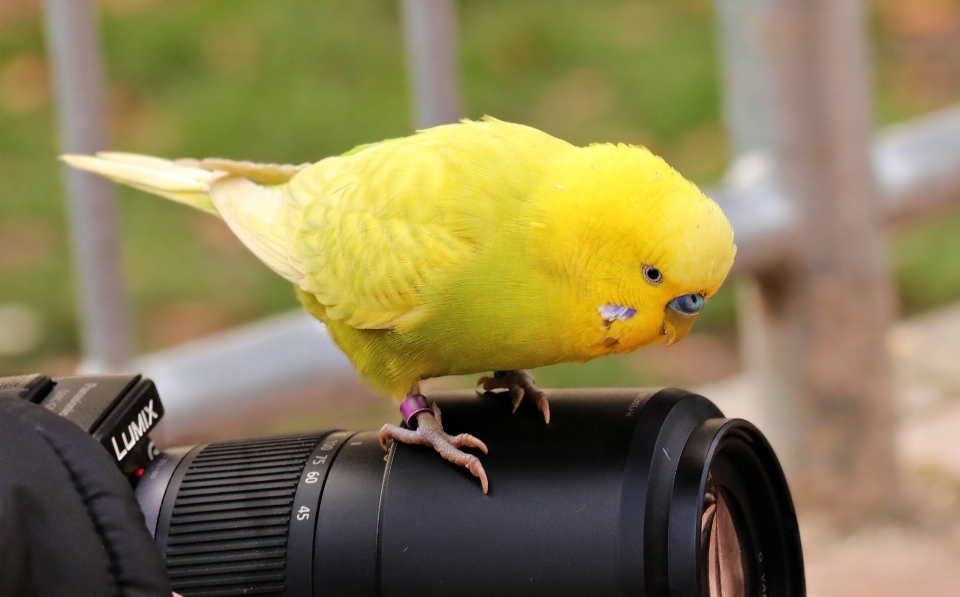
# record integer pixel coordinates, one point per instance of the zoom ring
(229, 526)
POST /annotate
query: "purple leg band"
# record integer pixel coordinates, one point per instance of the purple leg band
(411, 406)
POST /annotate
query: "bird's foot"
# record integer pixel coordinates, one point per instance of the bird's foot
(520, 385)
(426, 430)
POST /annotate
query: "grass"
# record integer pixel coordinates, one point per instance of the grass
(296, 80)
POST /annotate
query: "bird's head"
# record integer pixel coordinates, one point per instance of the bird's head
(640, 247)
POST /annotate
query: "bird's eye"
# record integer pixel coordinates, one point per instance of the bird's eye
(688, 304)
(652, 274)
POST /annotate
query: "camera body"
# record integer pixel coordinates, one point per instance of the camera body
(626, 492)
(119, 411)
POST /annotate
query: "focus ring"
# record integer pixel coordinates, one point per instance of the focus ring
(228, 529)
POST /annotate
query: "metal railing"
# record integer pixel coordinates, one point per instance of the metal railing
(74, 52)
(808, 195)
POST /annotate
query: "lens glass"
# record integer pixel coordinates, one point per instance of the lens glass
(721, 548)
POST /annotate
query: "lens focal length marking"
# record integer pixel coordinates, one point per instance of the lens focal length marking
(303, 516)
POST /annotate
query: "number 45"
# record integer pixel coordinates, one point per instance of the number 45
(303, 513)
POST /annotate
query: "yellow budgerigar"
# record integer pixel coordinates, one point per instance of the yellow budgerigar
(470, 247)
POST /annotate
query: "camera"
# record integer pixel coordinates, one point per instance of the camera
(645, 492)
(119, 411)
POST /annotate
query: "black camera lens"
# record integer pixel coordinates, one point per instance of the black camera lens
(625, 492)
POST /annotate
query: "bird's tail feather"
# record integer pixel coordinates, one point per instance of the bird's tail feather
(180, 181)
(249, 197)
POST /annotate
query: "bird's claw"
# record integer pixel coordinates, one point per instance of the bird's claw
(520, 385)
(429, 432)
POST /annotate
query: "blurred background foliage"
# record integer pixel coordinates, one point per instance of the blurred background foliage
(297, 80)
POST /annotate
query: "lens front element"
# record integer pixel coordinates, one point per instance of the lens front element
(721, 549)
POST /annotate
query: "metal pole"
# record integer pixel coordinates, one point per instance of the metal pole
(824, 318)
(74, 53)
(748, 111)
(746, 76)
(430, 29)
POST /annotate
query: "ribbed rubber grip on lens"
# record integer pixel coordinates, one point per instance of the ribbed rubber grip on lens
(229, 525)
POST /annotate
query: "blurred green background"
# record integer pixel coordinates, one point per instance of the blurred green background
(297, 80)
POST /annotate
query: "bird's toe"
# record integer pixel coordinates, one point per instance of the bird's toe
(519, 384)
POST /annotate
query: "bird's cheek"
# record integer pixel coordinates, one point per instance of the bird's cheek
(641, 336)
(626, 336)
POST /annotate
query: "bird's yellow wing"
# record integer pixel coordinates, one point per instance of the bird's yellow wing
(380, 233)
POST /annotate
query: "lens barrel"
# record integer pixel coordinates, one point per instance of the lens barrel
(625, 492)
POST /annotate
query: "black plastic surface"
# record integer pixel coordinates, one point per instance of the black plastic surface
(227, 531)
(687, 412)
(550, 524)
(130, 419)
(155, 482)
(32, 387)
(305, 511)
(345, 553)
(86, 400)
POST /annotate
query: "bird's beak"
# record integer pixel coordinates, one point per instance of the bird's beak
(676, 325)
